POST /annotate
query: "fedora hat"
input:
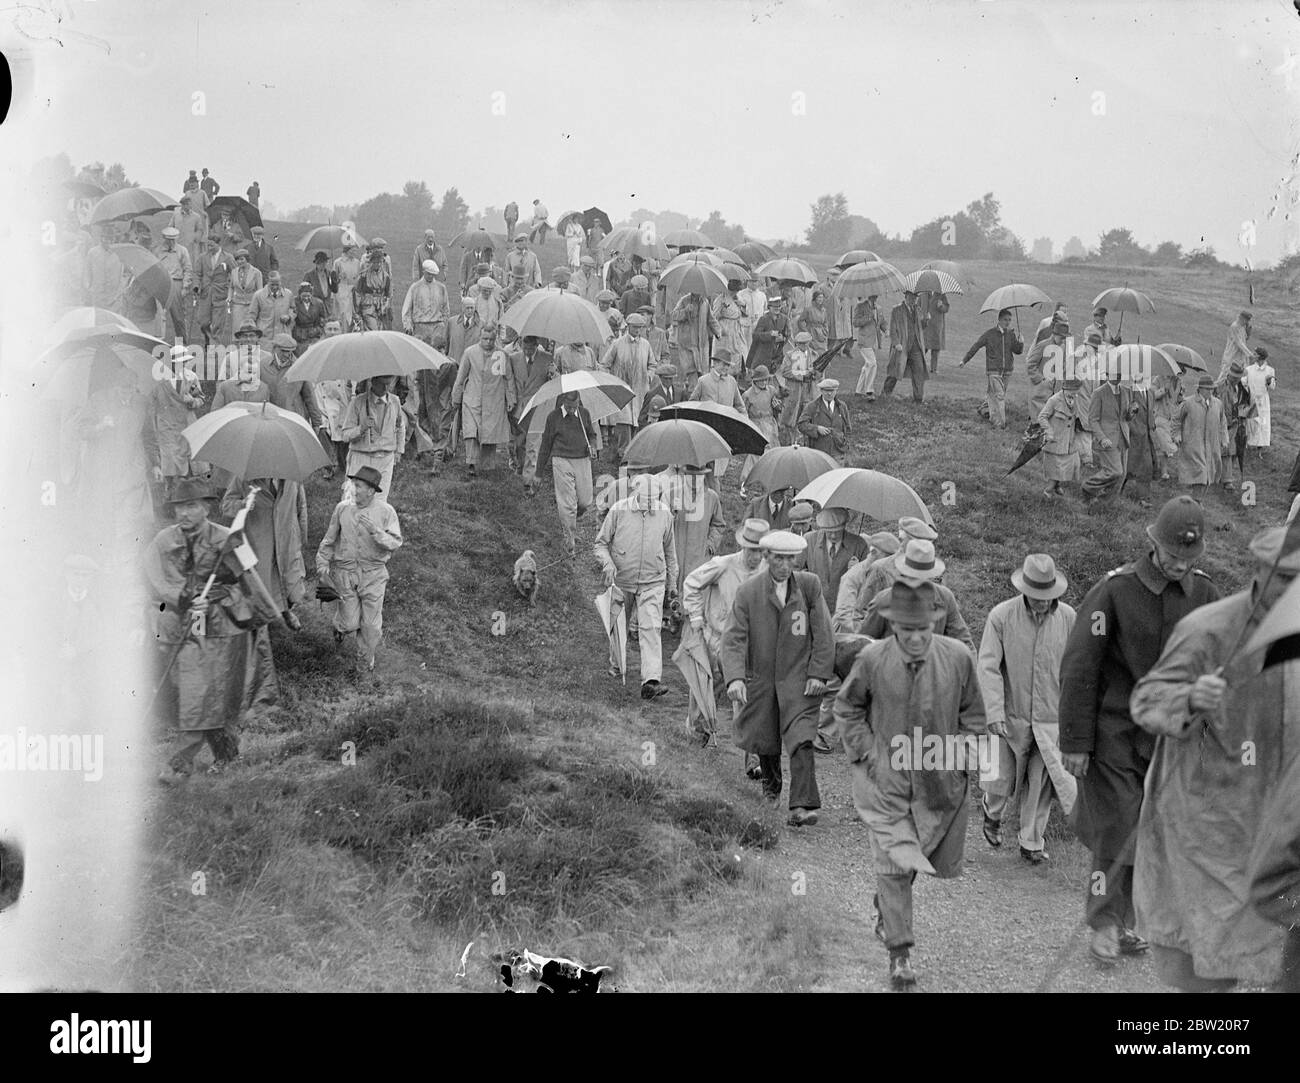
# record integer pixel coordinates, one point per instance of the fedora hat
(1180, 527)
(916, 560)
(760, 373)
(909, 604)
(370, 476)
(1204, 382)
(1039, 578)
(249, 329)
(751, 533)
(188, 489)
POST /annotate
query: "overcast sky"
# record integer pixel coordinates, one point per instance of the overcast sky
(754, 109)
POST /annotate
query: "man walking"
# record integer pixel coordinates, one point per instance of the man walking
(537, 234)
(1225, 729)
(530, 368)
(867, 321)
(1000, 345)
(1124, 623)
(901, 690)
(522, 265)
(176, 261)
(353, 556)
(1202, 432)
(244, 284)
(192, 225)
(1108, 416)
(695, 327)
(429, 251)
(1045, 365)
(567, 445)
(629, 357)
(375, 428)
(271, 308)
(484, 395)
(1019, 670)
(936, 340)
(215, 272)
(907, 346)
(778, 653)
(824, 422)
(261, 253)
(637, 552)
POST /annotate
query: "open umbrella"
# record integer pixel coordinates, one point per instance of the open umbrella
(240, 211)
(726, 255)
(77, 340)
(147, 273)
(630, 241)
(1017, 295)
(1121, 299)
(870, 492)
(600, 392)
(694, 278)
(676, 443)
(566, 218)
(1031, 444)
(93, 367)
(687, 238)
(736, 272)
(699, 255)
(558, 315)
(1138, 363)
(329, 237)
(868, 279)
(790, 467)
(741, 434)
(931, 281)
(692, 658)
(947, 266)
(610, 607)
(1184, 356)
(257, 440)
(755, 252)
(787, 268)
(86, 318)
(593, 215)
(128, 203)
(857, 255)
(363, 354)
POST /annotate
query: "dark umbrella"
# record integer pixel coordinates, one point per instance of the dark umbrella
(592, 215)
(1035, 435)
(147, 274)
(741, 434)
(240, 209)
(828, 355)
(755, 252)
(473, 240)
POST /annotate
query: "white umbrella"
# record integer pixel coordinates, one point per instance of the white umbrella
(870, 492)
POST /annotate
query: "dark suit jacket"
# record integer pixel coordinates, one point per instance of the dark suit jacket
(263, 257)
(758, 509)
(853, 548)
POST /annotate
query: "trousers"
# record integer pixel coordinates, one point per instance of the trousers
(649, 606)
(1110, 895)
(1030, 791)
(914, 369)
(803, 777)
(360, 615)
(997, 398)
(867, 377)
(573, 494)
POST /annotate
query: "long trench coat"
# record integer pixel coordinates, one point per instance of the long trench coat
(1124, 622)
(700, 526)
(911, 808)
(1208, 791)
(216, 676)
(485, 394)
(1065, 425)
(775, 650)
(1141, 461)
(1202, 439)
(936, 333)
(276, 528)
(630, 361)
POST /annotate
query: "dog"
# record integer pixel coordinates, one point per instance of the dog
(525, 577)
(524, 972)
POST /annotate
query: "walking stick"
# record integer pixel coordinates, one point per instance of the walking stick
(197, 611)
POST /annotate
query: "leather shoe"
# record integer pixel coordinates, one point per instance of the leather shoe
(1132, 944)
(901, 975)
(992, 831)
(880, 919)
(653, 689)
(1105, 945)
(1035, 857)
(802, 817)
(820, 744)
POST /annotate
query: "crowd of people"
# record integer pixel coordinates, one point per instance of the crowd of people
(820, 641)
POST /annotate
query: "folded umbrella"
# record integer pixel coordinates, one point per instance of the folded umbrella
(787, 269)
(931, 281)
(560, 316)
(1031, 444)
(328, 237)
(128, 203)
(741, 434)
(867, 279)
(790, 467)
(870, 492)
(692, 658)
(363, 354)
(257, 440)
(610, 607)
(676, 443)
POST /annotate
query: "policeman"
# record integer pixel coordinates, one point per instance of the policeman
(1122, 627)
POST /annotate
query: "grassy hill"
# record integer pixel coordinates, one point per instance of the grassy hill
(505, 791)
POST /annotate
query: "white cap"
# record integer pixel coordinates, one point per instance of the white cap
(782, 543)
(429, 267)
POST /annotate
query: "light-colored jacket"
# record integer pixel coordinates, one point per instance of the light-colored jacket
(710, 590)
(637, 540)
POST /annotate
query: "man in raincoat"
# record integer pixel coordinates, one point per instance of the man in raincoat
(699, 525)
(629, 358)
(708, 594)
(1123, 625)
(695, 326)
(915, 564)
(211, 680)
(1108, 421)
(245, 284)
(276, 528)
(907, 324)
(718, 385)
(851, 601)
(1203, 437)
(1227, 729)
(530, 368)
(213, 273)
(729, 313)
(770, 336)
(906, 698)
(778, 653)
(485, 396)
(1045, 365)
(172, 406)
(375, 428)
(271, 308)
(1019, 670)
(936, 308)
(179, 266)
(884, 570)
(353, 556)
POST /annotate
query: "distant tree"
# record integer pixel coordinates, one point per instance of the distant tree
(1204, 257)
(724, 236)
(490, 218)
(315, 212)
(1004, 244)
(1169, 253)
(1042, 250)
(956, 236)
(829, 231)
(378, 214)
(987, 214)
(453, 215)
(110, 179)
(864, 233)
(1074, 249)
(1119, 246)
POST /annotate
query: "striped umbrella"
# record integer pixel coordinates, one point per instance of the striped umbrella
(787, 269)
(90, 368)
(560, 316)
(694, 278)
(86, 319)
(869, 279)
(931, 281)
(257, 440)
(741, 434)
(600, 392)
(130, 203)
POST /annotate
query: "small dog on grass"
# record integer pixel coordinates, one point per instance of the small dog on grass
(525, 972)
(525, 577)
